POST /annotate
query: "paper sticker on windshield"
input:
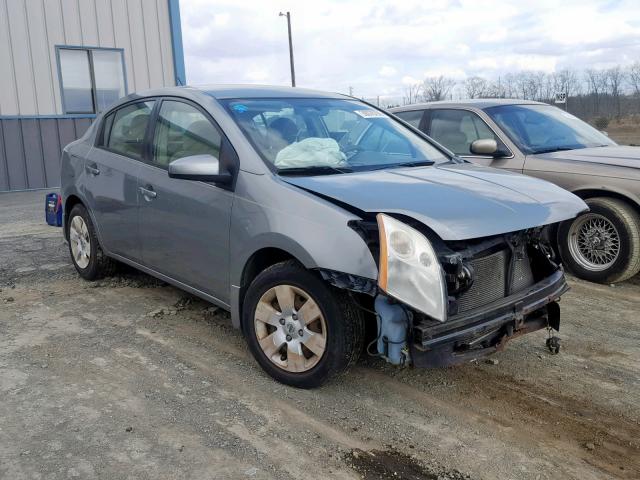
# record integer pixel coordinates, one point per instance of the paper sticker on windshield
(369, 114)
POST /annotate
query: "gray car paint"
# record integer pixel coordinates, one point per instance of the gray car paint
(458, 202)
(199, 236)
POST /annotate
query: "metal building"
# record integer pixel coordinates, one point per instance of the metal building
(62, 61)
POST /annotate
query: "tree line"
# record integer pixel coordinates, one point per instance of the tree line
(610, 93)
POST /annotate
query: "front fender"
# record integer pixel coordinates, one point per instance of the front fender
(309, 228)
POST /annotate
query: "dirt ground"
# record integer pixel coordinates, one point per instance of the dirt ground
(130, 378)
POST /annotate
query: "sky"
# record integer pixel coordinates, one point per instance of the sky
(379, 47)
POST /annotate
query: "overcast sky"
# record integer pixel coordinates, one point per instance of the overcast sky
(378, 46)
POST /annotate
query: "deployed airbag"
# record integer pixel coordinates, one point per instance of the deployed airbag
(311, 152)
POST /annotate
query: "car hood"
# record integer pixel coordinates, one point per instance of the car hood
(617, 155)
(457, 201)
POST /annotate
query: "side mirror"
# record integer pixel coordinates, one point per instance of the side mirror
(204, 168)
(485, 146)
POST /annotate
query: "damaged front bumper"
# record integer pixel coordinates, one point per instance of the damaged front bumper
(485, 330)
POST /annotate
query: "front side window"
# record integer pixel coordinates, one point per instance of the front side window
(92, 79)
(458, 129)
(413, 117)
(127, 128)
(543, 128)
(343, 135)
(181, 131)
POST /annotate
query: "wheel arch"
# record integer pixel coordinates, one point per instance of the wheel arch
(586, 193)
(69, 202)
(257, 262)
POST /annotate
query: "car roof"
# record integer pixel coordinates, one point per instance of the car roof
(222, 92)
(480, 103)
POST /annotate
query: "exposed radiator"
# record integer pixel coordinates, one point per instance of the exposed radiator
(490, 279)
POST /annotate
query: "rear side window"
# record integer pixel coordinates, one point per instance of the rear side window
(128, 128)
(413, 117)
(181, 131)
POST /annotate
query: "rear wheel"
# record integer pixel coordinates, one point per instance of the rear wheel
(602, 245)
(300, 330)
(86, 253)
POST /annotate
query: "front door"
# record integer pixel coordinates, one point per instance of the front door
(457, 129)
(184, 224)
(111, 177)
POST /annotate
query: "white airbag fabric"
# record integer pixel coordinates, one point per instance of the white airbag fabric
(311, 152)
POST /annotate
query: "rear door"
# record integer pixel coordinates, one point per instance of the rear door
(457, 129)
(111, 172)
(184, 224)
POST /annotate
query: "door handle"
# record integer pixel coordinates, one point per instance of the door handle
(148, 192)
(93, 170)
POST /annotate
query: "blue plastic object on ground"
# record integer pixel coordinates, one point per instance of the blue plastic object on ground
(53, 209)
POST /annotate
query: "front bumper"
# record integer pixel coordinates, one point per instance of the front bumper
(485, 330)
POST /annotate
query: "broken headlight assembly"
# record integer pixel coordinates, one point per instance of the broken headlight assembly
(409, 268)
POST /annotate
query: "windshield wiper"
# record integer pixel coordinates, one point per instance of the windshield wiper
(417, 163)
(554, 149)
(313, 170)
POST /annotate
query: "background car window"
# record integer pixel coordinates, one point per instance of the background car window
(128, 130)
(181, 131)
(543, 128)
(458, 129)
(413, 117)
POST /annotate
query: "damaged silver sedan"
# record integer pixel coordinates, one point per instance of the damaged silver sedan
(324, 225)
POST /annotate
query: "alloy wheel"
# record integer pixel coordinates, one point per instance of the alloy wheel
(594, 242)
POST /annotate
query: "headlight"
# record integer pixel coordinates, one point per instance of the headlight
(409, 268)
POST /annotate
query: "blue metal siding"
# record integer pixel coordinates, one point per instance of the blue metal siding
(176, 42)
(30, 149)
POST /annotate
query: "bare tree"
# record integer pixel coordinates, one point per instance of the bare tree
(633, 75)
(437, 88)
(597, 83)
(615, 77)
(412, 93)
(568, 82)
(476, 87)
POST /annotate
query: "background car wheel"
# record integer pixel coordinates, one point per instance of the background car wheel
(300, 330)
(602, 245)
(86, 253)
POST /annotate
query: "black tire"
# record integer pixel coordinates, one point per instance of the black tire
(99, 265)
(627, 224)
(345, 324)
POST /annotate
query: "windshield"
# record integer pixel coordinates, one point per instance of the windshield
(323, 136)
(543, 128)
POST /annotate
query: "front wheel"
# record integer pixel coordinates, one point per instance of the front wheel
(300, 330)
(602, 245)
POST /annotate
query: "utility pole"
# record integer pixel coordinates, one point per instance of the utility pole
(293, 71)
(350, 91)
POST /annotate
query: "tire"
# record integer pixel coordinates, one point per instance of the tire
(88, 258)
(338, 321)
(623, 225)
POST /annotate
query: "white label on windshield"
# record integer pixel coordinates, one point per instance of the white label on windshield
(369, 114)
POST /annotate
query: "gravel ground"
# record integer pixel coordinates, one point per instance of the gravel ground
(131, 378)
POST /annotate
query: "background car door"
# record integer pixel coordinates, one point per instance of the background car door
(184, 224)
(111, 172)
(457, 129)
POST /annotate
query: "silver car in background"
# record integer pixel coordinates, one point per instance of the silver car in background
(321, 223)
(602, 245)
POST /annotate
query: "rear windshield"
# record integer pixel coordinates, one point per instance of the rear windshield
(332, 133)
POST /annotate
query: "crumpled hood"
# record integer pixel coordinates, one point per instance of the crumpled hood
(617, 155)
(457, 201)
